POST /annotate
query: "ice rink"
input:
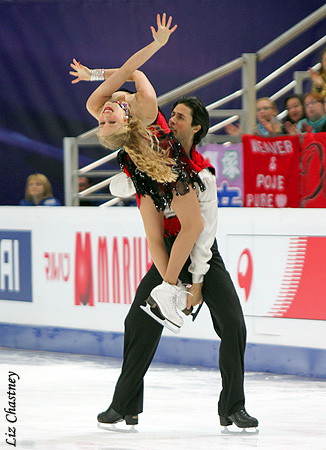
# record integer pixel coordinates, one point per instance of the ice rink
(58, 397)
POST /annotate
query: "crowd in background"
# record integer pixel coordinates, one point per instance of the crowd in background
(305, 113)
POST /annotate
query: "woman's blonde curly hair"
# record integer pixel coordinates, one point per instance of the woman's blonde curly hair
(144, 150)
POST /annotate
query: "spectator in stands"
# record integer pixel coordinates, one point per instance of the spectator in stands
(318, 78)
(84, 182)
(294, 106)
(38, 192)
(315, 120)
(267, 122)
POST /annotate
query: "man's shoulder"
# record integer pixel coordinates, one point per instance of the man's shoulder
(200, 161)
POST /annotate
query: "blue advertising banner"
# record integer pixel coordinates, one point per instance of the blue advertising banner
(15, 266)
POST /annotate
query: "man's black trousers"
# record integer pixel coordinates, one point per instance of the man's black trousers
(142, 335)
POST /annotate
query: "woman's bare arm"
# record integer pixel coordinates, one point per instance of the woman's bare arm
(126, 71)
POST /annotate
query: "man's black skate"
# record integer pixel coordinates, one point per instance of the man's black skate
(108, 419)
(241, 419)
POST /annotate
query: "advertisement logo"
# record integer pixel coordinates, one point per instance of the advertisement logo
(245, 271)
(83, 271)
(15, 266)
(107, 269)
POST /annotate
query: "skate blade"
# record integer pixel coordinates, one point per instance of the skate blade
(241, 432)
(112, 427)
(156, 310)
(169, 325)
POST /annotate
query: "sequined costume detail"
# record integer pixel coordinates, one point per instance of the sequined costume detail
(162, 193)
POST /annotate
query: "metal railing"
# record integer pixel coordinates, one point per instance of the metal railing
(246, 115)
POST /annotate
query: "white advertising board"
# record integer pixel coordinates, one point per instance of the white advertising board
(78, 268)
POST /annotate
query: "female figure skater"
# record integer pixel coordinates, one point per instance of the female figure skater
(162, 173)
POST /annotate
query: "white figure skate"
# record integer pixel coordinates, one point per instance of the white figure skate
(163, 303)
(182, 298)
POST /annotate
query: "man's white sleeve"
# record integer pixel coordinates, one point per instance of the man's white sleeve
(201, 252)
(122, 186)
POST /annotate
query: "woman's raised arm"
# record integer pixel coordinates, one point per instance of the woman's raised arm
(126, 71)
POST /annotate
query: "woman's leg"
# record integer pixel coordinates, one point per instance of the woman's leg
(153, 224)
(187, 210)
(169, 296)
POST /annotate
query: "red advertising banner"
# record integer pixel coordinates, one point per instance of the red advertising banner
(313, 171)
(271, 171)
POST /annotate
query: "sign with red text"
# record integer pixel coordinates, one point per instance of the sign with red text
(108, 269)
(85, 269)
(271, 171)
(313, 171)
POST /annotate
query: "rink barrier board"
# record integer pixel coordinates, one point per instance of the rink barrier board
(62, 275)
(308, 362)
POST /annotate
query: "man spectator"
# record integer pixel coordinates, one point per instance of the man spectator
(84, 182)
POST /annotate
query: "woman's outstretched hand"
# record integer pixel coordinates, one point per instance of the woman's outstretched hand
(82, 73)
(162, 35)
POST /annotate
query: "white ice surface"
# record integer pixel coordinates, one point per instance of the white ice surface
(59, 396)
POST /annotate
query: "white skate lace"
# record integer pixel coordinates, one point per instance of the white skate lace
(181, 292)
(176, 300)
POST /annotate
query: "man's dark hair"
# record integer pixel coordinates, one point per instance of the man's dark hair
(199, 114)
(297, 96)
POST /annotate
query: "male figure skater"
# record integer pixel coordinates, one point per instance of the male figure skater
(211, 283)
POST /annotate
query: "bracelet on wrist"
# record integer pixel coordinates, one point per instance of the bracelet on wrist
(97, 75)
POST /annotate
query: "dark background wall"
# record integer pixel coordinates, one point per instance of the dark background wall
(38, 39)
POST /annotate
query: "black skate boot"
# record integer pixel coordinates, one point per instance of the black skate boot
(241, 419)
(108, 419)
